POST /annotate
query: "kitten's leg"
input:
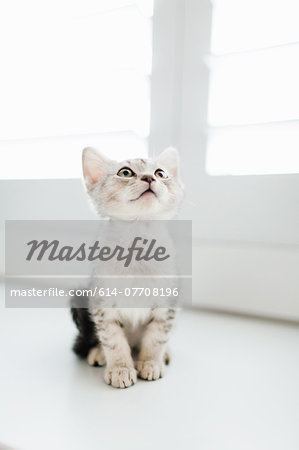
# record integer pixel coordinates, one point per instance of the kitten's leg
(96, 356)
(87, 337)
(120, 371)
(152, 356)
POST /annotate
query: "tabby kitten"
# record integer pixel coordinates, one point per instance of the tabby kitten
(137, 189)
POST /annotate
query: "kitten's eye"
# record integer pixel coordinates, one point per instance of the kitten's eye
(125, 172)
(160, 173)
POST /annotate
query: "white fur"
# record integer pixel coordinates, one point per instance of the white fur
(121, 199)
(96, 355)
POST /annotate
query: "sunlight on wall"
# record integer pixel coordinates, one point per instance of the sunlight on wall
(254, 92)
(73, 72)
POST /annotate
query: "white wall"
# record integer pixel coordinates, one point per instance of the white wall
(43, 200)
(246, 229)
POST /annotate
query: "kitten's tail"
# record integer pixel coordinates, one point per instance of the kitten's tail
(87, 338)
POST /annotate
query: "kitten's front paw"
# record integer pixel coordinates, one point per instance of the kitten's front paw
(96, 356)
(120, 377)
(150, 370)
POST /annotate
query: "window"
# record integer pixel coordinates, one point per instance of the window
(74, 74)
(254, 91)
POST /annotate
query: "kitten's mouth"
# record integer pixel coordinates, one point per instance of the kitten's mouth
(146, 192)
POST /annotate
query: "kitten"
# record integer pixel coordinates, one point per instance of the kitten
(133, 190)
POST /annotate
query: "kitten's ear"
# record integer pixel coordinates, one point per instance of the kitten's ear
(94, 165)
(169, 158)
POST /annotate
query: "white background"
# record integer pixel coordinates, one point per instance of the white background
(246, 228)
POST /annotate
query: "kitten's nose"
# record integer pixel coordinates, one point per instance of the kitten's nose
(147, 178)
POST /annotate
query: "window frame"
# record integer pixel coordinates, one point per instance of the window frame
(231, 214)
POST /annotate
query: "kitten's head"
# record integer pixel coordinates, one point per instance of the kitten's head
(143, 189)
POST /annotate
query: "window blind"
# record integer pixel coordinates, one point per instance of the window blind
(74, 74)
(253, 111)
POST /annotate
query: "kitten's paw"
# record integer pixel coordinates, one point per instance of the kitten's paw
(120, 377)
(96, 356)
(150, 370)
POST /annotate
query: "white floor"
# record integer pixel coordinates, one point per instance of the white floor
(233, 385)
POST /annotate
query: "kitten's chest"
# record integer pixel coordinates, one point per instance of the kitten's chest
(133, 317)
(134, 321)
